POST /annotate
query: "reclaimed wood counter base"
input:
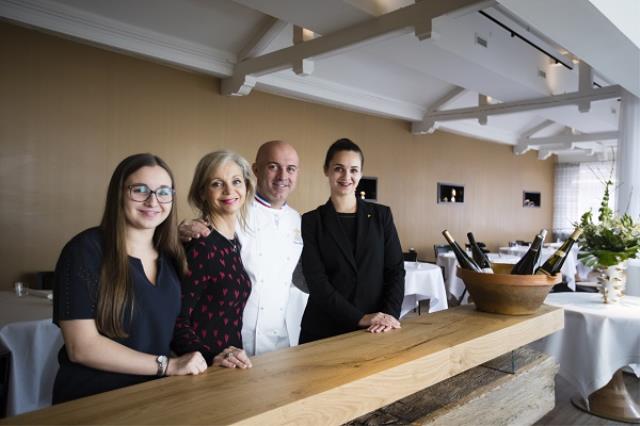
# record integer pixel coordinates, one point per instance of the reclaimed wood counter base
(491, 394)
(330, 381)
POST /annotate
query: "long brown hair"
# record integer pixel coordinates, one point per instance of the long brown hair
(115, 292)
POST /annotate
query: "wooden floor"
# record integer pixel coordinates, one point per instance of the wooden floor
(566, 414)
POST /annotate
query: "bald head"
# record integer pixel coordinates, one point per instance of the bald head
(276, 169)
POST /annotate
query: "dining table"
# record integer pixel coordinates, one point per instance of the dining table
(598, 340)
(27, 332)
(423, 281)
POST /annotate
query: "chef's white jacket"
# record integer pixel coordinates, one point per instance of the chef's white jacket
(271, 248)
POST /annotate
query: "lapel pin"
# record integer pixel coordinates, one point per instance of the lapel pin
(369, 215)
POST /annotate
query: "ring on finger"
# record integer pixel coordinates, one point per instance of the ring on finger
(228, 354)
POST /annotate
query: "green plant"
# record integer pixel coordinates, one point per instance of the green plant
(612, 240)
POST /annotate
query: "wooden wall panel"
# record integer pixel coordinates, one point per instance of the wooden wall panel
(70, 112)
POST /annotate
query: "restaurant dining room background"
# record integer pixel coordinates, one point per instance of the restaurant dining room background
(70, 112)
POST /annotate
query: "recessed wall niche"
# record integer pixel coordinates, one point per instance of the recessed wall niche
(368, 188)
(450, 193)
(531, 199)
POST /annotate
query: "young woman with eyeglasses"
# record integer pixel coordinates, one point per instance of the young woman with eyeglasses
(216, 288)
(117, 288)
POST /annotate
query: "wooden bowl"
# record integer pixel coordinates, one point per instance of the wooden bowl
(508, 294)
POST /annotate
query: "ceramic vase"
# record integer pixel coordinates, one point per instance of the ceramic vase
(611, 282)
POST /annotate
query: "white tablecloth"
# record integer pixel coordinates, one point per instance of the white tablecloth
(423, 281)
(569, 268)
(597, 340)
(633, 277)
(34, 343)
(454, 285)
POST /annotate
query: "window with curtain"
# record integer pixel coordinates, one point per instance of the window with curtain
(565, 197)
(578, 188)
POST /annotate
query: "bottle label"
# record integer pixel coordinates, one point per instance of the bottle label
(560, 253)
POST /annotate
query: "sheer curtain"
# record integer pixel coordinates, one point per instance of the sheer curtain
(591, 185)
(565, 198)
(578, 188)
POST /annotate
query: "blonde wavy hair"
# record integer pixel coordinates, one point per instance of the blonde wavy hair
(207, 166)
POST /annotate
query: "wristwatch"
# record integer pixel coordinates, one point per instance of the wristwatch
(162, 362)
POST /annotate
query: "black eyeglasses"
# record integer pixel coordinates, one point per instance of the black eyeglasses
(141, 193)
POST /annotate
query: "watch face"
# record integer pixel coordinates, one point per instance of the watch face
(162, 362)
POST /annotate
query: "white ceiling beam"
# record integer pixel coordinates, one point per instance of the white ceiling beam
(585, 83)
(585, 154)
(451, 96)
(303, 67)
(300, 35)
(578, 156)
(543, 154)
(527, 105)
(559, 146)
(566, 146)
(262, 38)
(423, 127)
(535, 129)
(416, 18)
(608, 144)
(59, 17)
(567, 141)
(482, 102)
(522, 147)
(571, 138)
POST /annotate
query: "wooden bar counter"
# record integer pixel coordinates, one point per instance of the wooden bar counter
(325, 382)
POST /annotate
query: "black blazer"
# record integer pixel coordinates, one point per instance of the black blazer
(344, 287)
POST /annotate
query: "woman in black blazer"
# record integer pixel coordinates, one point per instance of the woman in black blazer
(352, 259)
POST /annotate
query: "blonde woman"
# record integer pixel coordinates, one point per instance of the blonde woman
(117, 288)
(216, 288)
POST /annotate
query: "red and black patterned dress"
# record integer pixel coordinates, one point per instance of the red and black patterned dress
(214, 294)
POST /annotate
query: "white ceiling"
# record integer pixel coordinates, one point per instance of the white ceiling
(395, 75)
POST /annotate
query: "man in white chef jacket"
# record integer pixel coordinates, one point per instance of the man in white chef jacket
(271, 248)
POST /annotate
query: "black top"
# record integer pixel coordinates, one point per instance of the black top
(75, 293)
(214, 294)
(343, 285)
(348, 223)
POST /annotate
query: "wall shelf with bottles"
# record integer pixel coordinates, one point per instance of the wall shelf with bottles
(450, 193)
(368, 188)
(531, 199)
